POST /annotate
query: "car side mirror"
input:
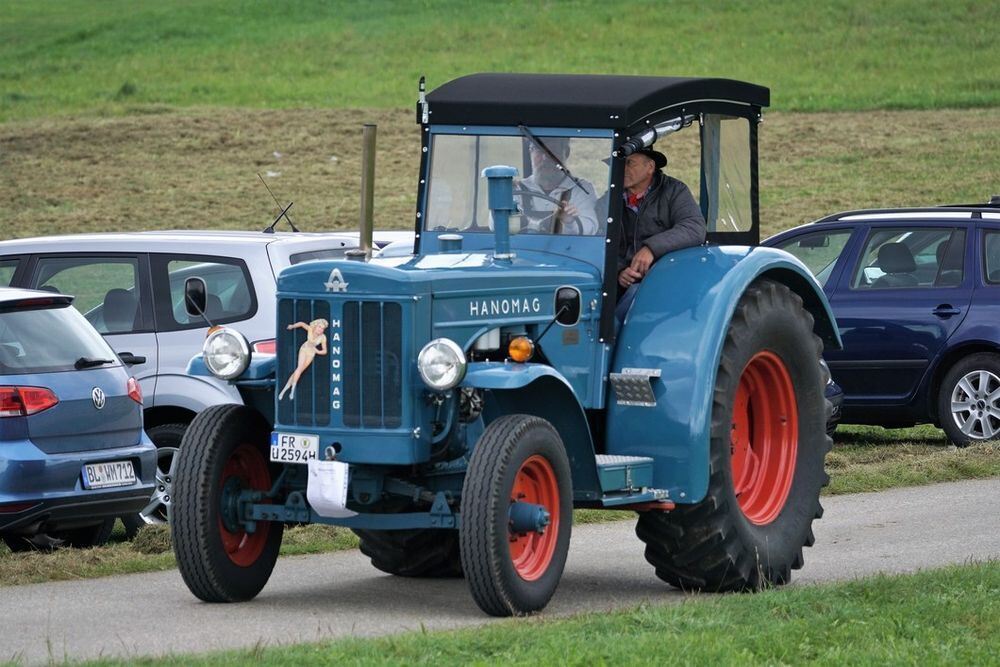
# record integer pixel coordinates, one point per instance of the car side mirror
(195, 297)
(567, 306)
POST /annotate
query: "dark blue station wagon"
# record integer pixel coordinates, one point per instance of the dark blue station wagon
(73, 454)
(916, 294)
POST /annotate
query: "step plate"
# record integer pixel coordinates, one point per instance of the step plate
(633, 386)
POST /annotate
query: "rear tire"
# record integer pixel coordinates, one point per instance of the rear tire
(428, 553)
(768, 444)
(965, 409)
(224, 451)
(518, 457)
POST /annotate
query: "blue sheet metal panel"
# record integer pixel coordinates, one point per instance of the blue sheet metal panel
(539, 390)
(678, 324)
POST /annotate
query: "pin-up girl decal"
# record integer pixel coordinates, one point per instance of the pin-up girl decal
(315, 344)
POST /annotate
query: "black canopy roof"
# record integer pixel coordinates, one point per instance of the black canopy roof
(577, 100)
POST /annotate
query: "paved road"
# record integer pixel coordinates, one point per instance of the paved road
(337, 595)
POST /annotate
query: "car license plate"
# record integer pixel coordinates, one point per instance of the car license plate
(108, 475)
(293, 447)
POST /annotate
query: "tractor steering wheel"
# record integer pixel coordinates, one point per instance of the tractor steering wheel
(558, 225)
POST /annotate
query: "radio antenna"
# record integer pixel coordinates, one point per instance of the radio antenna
(283, 210)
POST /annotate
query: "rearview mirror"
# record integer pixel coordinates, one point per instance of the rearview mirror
(567, 306)
(815, 241)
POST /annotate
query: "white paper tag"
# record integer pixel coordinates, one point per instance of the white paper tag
(327, 488)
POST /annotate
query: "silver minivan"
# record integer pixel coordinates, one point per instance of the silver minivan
(130, 286)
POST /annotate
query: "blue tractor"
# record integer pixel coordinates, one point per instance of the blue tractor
(454, 405)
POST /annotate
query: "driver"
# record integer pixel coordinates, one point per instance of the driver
(563, 206)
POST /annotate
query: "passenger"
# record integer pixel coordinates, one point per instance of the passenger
(659, 215)
(564, 206)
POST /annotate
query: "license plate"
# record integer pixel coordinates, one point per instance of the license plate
(109, 474)
(293, 447)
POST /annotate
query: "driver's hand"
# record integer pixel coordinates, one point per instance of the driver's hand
(628, 276)
(642, 261)
(570, 210)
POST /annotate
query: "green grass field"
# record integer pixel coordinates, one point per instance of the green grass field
(948, 616)
(120, 56)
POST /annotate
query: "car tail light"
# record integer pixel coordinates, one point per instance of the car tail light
(266, 346)
(134, 390)
(24, 401)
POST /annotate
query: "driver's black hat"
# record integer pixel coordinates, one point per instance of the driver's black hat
(658, 158)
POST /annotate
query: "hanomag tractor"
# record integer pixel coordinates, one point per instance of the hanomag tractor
(453, 406)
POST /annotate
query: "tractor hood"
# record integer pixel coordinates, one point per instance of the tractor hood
(468, 290)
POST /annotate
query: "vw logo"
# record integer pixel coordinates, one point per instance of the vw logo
(98, 397)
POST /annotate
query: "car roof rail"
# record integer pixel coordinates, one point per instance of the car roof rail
(950, 211)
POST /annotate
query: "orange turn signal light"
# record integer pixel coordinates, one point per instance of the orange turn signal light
(521, 349)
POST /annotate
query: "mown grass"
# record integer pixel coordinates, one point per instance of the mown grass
(946, 616)
(122, 56)
(198, 169)
(864, 459)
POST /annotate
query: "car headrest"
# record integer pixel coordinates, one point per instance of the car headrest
(213, 306)
(119, 310)
(896, 258)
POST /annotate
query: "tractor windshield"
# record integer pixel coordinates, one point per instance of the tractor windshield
(551, 201)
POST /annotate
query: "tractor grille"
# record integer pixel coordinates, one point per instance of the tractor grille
(359, 381)
(373, 369)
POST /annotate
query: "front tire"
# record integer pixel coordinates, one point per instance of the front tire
(768, 444)
(969, 400)
(225, 451)
(518, 459)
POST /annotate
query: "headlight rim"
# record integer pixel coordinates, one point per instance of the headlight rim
(244, 348)
(454, 348)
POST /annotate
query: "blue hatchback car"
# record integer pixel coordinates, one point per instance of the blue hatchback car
(916, 294)
(73, 454)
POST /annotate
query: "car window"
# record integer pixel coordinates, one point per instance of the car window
(44, 340)
(818, 250)
(312, 255)
(911, 257)
(7, 269)
(229, 295)
(991, 258)
(104, 287)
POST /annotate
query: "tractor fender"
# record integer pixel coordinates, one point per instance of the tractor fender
(677, 324)
(540, 390)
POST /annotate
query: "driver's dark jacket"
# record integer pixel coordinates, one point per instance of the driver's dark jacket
(668, 219)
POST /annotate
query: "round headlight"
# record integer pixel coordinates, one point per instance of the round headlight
(441, 364)
(226, 353)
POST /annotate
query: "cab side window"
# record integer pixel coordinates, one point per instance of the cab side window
(106, 288)
(819, 251)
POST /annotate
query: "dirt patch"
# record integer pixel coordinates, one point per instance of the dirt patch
(198, 169)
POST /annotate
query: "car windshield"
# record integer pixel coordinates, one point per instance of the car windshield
(46, 340)
(550, 201)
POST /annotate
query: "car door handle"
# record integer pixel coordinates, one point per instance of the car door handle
(946, 310)
(130, 359)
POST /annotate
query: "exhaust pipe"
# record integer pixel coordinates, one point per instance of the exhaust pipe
(367, 223)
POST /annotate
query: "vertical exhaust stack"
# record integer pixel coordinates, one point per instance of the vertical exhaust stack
(367, 223)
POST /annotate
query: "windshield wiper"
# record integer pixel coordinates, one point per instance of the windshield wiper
(535, 140)
(85, 362)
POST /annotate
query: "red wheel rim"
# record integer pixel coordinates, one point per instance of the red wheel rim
(247, 464)
(764, 438)
(532, 552)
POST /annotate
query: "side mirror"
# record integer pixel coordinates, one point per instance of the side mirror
(195, 297)
(567, 306)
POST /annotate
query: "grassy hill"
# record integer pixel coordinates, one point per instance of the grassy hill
(121, 56)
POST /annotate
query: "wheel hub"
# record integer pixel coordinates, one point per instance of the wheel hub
(764, 438)
(975, 405)
(533, 518)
